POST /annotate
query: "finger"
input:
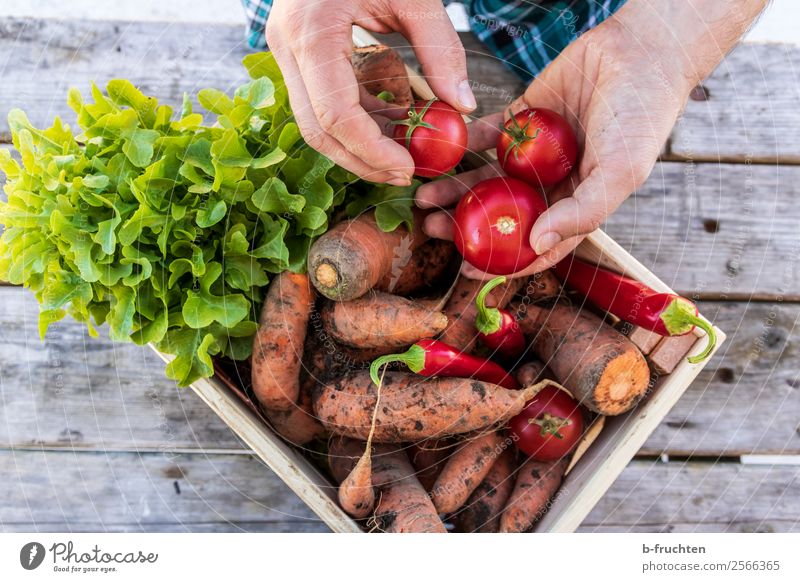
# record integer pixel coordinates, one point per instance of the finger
(372, 104)
(441, 54)
(542, 263)
(445, 192)
(334, 95)
(313, 134)
(438, 225)
(483, 132)
(583, 212)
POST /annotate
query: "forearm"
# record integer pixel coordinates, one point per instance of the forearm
(690, 36)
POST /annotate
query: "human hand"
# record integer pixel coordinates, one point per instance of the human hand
(312, 43)
(622, 98)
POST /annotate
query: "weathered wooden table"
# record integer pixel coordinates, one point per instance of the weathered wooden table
(93, 437)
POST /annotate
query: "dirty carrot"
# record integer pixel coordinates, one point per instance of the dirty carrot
(278, 344)
(413, 407)
(535, 486)
(481, 513)
(666, 314)
(465, 469)
(428, 458)
(350, 259)
(598, 365)
(421, 271)
(530, 373)
(430, 357)
(380, 69)
(298, 425)
(403, 504)
(498, 328)
(380, 320)
(343, 454)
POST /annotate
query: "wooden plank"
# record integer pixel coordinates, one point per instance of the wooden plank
(42, 59)
(74, 391)
(746, 110)
(719, 230)
(145, 492)
(748, 399)
(651, 496)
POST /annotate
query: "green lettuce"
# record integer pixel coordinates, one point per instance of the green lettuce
(164, 226)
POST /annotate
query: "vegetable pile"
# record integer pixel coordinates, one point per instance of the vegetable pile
(166, 227)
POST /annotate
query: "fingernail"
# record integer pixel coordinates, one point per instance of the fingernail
(546, 242)
(465, 96)
(399, 179)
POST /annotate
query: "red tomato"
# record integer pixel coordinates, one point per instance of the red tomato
(549, 426)
(538, 146)
(436, 136)
(493, 225)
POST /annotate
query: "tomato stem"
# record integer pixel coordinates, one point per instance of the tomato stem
(518, 135)
(415, 120)
(550, 424)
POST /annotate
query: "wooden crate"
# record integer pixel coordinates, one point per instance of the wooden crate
(586, 483)
(588, 480)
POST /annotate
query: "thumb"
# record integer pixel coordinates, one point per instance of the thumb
(441, 54)
(580, 214)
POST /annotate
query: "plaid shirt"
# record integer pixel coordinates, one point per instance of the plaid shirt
(525, 35)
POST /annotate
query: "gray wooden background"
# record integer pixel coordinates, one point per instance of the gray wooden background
(94, 438)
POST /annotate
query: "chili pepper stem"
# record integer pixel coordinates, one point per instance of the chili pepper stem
(680, 317)
(489, 319)
(413, 358)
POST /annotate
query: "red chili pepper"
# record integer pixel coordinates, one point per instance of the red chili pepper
(498, 328)
(431, 357)
(666, 314)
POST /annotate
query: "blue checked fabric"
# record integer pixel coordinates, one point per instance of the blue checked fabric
(525, 35)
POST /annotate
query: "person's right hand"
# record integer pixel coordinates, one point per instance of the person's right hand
(312, 43)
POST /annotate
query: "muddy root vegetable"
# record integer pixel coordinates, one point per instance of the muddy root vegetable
(353, 256)
(481, 513)
(462, 312)
(428, 458)
(278, 344)
(343, 455)
(381, 320)
(465, 469)
(380, 69)
(542, 286)
(356, 494)
(421, 270)
(602, 368)
(403, 504)
(537, 482)
(298, 425)
(531, 372)
(414, 408)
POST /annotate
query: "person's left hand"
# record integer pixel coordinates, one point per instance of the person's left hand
(622, 97)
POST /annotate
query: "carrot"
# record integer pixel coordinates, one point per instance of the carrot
(343, 455)
(356, 495)
(481, 513)
(541, 286)
(424, 268)
(536, 484)
(465, 469)
(298, 425)
(413, 407)
(462, 311)
(531, 372)
(428, 458)
(380, 68)
(380, 320)
(278, 344)
(596, 363)
(350, 259)
(403, 505)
